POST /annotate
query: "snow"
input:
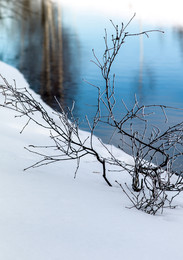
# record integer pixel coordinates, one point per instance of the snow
(46, 214)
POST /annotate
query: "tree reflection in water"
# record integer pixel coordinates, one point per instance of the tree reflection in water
(32, 40)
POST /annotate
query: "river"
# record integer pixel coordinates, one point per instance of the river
(51, 44)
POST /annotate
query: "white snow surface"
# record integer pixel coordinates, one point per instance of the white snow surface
(46, 214)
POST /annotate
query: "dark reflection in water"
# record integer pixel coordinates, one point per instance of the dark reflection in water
(34, 40)
(52, 48)
(178, 31)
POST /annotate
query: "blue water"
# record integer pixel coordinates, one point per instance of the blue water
(151, 68)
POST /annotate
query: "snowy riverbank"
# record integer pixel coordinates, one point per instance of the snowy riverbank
(46, 214)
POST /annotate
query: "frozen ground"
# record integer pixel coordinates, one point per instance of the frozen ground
(46, 214)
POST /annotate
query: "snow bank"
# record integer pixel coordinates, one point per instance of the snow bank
(46, 214)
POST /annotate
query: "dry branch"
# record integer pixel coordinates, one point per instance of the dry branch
(155, 182)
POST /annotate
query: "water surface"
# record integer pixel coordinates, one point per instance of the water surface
(52, 46)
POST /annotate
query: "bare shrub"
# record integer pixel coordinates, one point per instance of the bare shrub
(154, 150)
(155, 182)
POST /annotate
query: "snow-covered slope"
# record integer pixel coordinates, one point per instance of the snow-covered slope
(46, 214)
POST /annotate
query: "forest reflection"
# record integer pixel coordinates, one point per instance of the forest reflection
(32, 40)
(52, 48)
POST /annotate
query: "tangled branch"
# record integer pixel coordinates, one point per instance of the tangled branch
(66, 138)
(155, 179)
(154, 150)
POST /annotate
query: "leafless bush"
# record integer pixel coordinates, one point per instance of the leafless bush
(154, 150)
(155, 182)
(67, 141)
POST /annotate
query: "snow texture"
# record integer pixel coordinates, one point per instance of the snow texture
(46, 214)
